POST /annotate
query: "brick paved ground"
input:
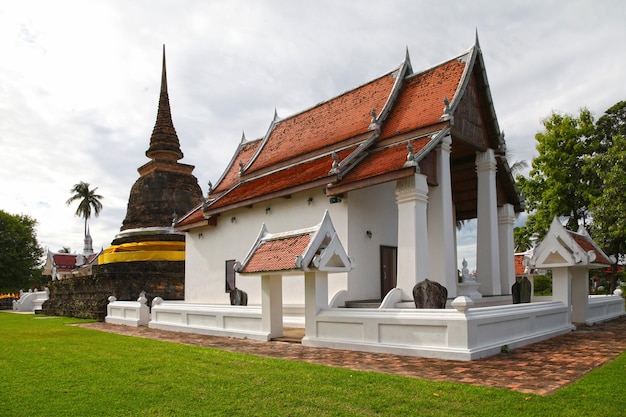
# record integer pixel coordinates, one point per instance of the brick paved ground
(540, 368)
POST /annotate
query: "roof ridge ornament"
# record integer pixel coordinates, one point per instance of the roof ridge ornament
(501, 143)
(335, 167)
(410, 157)
(447, 113)
(375, 123)
(243, 137)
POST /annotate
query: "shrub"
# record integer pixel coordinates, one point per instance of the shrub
(543, 285)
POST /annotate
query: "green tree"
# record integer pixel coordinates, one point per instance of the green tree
(20, 253)
(607, 166)
(556, 185)
(89, 201)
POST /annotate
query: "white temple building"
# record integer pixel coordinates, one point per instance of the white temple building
(383, 172)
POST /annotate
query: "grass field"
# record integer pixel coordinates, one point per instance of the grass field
(48, 368)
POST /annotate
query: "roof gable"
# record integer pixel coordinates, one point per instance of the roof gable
(421, 100)
(564, 248)
(315, 248)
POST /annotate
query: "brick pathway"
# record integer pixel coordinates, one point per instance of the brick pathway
(540, 368)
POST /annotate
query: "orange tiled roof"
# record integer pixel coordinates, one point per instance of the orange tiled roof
(277, 255)
(296, 150)
(520, 268)
(65, 260)
(325, 124)
(384, 160)
(421, 101)
(280, 180)
(587, 245)
(245, 151)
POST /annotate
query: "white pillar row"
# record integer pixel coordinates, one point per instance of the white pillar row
(413, 262)
(272, 305)
(506, 220)
(487, 243)
(442, 246)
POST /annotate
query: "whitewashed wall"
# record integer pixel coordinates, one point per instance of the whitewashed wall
(209, 247)
(372, 209)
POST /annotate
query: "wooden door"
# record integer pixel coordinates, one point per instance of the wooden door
(388, 268)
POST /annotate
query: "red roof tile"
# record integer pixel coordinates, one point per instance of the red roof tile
(587, 245)
(382, 161)
(326, 124)
(420, 102)
(64, 260)
(245, 151)
(280, 180)
(277, 255)
(520, 268)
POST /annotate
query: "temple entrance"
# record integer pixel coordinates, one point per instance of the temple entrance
(388, 269)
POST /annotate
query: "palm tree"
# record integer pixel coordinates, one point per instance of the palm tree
(89, 201)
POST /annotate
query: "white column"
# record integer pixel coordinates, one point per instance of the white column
(506, 219)
(580, 294)
(413, 263)
(487, 252)
(442, 247)
(315, 299)
(562, 287)
(272, 305)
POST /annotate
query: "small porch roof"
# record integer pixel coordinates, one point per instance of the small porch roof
(564, 248)
(314, 248)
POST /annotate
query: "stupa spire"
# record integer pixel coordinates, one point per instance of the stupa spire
(164, 144)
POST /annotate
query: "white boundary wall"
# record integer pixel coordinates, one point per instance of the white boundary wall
(444, 334)
(216, 320)
(128, 313)
(604, 307)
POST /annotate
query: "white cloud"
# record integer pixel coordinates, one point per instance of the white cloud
(79, 80)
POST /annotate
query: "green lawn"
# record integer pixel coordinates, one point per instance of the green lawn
(48, 368)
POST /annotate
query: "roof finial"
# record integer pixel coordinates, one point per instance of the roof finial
(407, 61)
(476, 43)
(243, 137)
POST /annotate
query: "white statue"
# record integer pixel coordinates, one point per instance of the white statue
(465, 275)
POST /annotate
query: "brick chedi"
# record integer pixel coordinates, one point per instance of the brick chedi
(147, 255)
(166, 187)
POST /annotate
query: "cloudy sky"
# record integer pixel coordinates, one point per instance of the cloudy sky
(79, 80)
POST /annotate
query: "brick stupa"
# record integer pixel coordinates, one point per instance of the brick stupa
(166, 188)
(147, 255)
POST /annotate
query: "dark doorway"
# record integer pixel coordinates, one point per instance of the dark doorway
(388, 268)
(230, 275)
